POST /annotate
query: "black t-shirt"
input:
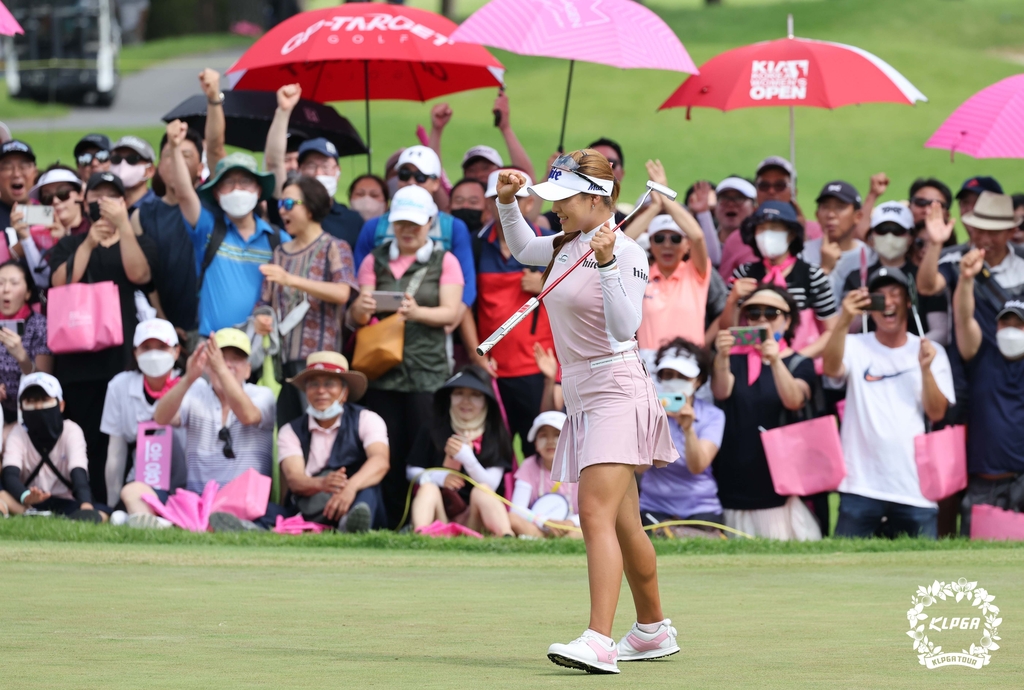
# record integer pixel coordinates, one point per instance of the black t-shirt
(104, 264)
(807, 284)
(740, 468)
(425, 454)
(174, 275)
(343, 223)
(926, 304)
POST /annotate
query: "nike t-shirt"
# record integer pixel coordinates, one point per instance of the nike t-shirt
(884, 413)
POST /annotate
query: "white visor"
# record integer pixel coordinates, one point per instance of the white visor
(562, 184)
(682, 363)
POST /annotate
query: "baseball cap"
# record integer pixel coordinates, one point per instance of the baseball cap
(232, 337)
(492, 185)
(681, 361)
(423, 157)
(100, 141)
(892, 212)
(844, 191)
(1012, 307)
(888, 276)
(780, 211)
(737, 184)
(776, 162)
(139, 146)
(980, 184)
(52, 177)
(294, 141)
(485, 152)
(16, 146)
(100, 178)
(49, 384)
(414, 204)
(552, 418)
(319, 145)
(663, 223)
(155, 329)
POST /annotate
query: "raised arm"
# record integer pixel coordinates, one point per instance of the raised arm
(688, 224)
(854, 304)
(876, 188)
(722, 378)
(701, 209)
(277, 136)
(440, 116)
(216, 126)
(519, 236)
(642, 220)
(516, 153)
(937, 230)
(180, 177)
(968, 332)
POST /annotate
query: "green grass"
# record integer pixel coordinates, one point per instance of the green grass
(170, 616)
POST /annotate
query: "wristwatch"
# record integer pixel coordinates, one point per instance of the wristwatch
(219, 101)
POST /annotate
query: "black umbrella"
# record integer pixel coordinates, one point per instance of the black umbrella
(248, 115)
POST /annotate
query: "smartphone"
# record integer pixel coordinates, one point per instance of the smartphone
(877, 302)
(673, 402)
(94, 211)
(38, 215)
(749, 335)
(388, 301)
(14, 325)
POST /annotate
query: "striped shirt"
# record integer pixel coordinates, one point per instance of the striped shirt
(200, 415)
(807, 284)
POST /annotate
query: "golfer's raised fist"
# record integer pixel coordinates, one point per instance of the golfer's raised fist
(288, 97)
(509, 182)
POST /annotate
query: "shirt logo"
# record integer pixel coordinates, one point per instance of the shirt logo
(873, 378)
(563, 258)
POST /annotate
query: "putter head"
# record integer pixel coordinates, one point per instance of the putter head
(662, 189)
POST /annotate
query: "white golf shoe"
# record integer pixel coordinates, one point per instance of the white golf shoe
(588, 652)
(638, 645)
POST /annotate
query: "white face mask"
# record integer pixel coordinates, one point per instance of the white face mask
(330, 413)
(330, 183)
(368, 207)
(676, 387)
(772, 243)
(239, 203)
(131, 175)
(890, 247)
(155, 363)
(1010, 342)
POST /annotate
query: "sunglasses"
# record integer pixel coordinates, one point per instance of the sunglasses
(87, 158)
(890, 229)
(770, 313)
(61, 194)
(921, 202)
(777, 186)
(131, 159)
(568, 164)
(405, 175)
(287, 204)
(225, 435)
(661, 237)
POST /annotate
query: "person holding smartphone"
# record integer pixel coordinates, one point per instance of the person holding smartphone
(22, 336)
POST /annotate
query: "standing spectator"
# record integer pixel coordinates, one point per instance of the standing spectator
(479, 162)
(838, 250)
(1018, 214)
(534, 480)
(776, 181)
(368, 195)
(970, 192)
(20, 353)
(132, 159)
(759, 387)
(307, 286)
(109, 251)
(17, 175)
(894, 380)
(318, 159)
(92, 155)
(469, 203)
(59, 187)
(925, 192)
(736, 198)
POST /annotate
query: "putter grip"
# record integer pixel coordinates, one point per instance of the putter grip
(511, 323)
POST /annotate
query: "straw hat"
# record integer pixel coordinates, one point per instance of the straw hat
(335, 364)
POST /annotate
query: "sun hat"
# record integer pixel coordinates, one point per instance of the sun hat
(423, 157)
(489, 154)
(237, 161)
(766, 298)
(892, 212)
(53, 177)
(467, 378)
(992, 212)
(492, 185)
(232, 337)
(552, 418)
(663, 223)
(48, 382)
(155, 329)
(413, 204)
(332, 364)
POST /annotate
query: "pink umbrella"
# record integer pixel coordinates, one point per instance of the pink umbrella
(8, 24)
(989, 124)
(619, 33)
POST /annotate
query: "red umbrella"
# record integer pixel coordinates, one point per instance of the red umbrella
(793, 72)
(365, 51)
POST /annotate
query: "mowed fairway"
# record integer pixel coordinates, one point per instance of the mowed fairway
(173, 616)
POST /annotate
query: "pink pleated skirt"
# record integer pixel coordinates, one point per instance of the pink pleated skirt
(615, 417)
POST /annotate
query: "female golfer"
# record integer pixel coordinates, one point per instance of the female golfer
(616, 423)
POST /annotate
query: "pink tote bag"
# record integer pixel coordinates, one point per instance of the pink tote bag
(805, 458)
(996, 524)
(83, 317)
(941, 462)
(245, 496)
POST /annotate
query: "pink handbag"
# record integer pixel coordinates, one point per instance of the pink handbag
(941, 462)
(805, 458)
(83, 317)
(154, 446)
(245, 496)
(996, 524)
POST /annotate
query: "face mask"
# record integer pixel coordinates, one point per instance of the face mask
(239, 203)
(772, 243)
(44, 427)
(1010, 342)
(330, 413)
(472, 217)
(891, 247)
(131, 175)
(368, 207)
(676, 387)
(330, 183)
(155, 363)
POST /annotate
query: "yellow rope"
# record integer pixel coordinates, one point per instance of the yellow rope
(648, 528)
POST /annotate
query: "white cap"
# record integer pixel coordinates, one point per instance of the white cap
(413, 204)
(423, 157)
(892, 212)
(48, 383)
(552, 418)
(492, 185)
(485, 152)
(680, 361)
(662, 223)
(155, 329)
(562, 184)
(737, 184)
(52, 177)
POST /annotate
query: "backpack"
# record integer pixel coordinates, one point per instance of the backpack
(220, 231)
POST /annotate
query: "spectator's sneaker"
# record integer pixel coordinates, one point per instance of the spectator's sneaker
(147, 521)
(356, 520)
(588, 652)
(641, 646)
(225, 522)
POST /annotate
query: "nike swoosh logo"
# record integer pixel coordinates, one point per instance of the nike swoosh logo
(872, 378)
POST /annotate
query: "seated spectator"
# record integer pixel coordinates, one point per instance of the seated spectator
(735, 203)
(995, 372)
(685, 490)
(403, 396)
(45, 465)
(894, 380)
(469, 204)
(132, 159)
(533, 480)
(467, 435)
(776, 236)
(334, 456)
(307, 286)
(110, 251)
(22, 349)
(758, 388)
(838, 250)
(132, 397)
(17, 175)
(92, 155)
(368, 196)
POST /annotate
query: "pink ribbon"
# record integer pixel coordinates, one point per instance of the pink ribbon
(754, 361)
(775, 275)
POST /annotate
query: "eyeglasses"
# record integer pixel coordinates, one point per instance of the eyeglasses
(777, 186)
(770, 313)
(132, 158)
(225, 435)
(405, 175)
(99, 156)
(288, 204)
(23, 166)
(661, 237)
(921, 202)
(890, 229)
(62, 194)
(313, 169)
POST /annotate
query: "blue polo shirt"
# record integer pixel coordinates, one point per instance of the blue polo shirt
(233, 281)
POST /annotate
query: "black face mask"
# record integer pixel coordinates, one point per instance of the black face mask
(44, 427)
(472, 217)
